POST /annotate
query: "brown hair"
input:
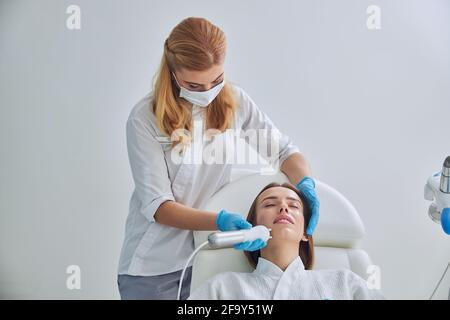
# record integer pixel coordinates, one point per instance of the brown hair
(306, 249)
(194, 44)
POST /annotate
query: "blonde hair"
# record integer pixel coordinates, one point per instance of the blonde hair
(194, 44)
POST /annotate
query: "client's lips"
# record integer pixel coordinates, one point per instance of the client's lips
(284, 218)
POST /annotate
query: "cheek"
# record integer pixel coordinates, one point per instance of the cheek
(301, 228)
(265, 217)
(300, 223)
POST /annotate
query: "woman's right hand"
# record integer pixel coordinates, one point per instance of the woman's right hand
(227, 221)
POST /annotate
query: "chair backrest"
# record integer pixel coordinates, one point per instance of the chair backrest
(336, 238)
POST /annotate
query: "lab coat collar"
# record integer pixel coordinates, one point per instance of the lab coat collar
(268, 268)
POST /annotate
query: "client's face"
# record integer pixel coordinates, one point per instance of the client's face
(280, 209)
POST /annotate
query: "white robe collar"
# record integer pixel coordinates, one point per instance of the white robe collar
(268, 268)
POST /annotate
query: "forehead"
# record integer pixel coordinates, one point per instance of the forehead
(201, 77)
(279, 192)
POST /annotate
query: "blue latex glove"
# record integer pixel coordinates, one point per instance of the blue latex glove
(445, 220)
(227, 221)
(251, 245)
(306, 187)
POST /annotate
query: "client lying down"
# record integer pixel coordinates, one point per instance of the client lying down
(283, 268)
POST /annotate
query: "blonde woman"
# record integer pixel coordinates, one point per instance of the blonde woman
(190, 95)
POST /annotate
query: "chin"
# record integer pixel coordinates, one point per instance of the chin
(284, 231)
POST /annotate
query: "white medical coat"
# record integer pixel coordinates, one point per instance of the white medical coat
(150, 248)
(269, 282)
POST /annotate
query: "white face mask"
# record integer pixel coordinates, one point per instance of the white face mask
(200, 98)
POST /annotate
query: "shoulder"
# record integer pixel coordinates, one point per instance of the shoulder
(344, 279)
(227, 277)
(349, 279)
(361, 289)
(246, 107)
(142, 114)
(142, 108)
(335, 275)
(242, 97)
(238, 91)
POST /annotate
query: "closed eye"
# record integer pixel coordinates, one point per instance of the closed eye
(271, 205)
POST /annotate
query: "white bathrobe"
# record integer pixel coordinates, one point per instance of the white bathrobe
(268, 281)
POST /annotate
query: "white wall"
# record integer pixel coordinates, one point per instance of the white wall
(369, 109)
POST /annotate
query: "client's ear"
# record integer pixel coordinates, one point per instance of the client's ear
(304, 238)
